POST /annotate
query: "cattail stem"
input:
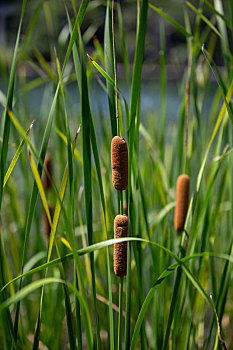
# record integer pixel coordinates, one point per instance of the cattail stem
(118, 127)
(187, 93)
(121, 285)
(119, 343)
(121, 203)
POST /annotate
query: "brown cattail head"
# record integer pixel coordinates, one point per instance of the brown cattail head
(182, 202)
(46, 224)
(120, 249)
(48, 165)
(119, 156)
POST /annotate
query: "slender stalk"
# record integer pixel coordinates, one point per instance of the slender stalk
(121, 202)
(187, 108)
(121, 283)
(119, 342)
(174, 295)
(114, 62)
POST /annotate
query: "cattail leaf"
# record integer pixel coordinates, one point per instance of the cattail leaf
(64, 138)
(34, 260)
(7, 325)
(123, 42)
(34, 193)
(15, 158)
(79, 75)
(74, 34)
(171, 20)
(134, 107)
(110, 242)
(220, 84)
(70, 161)
(27, 290)
(69, 316)
(66, 243)
(99, 176)
(58, 204)
(86, 141)
(51, 240)
(199, 13)
(9, 101)
(109, 67)
(24, 292)
(155, 218)
(200, 174)
(22, 132)
(224, 18)
(47, 68)
(111, 81)
(173, 307)
(40, 187)
(145, 306)
(34, 83)
(102, 71)
(30, 29)
(86, 315)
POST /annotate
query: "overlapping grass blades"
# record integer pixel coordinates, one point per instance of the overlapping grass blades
(86, 141)
(7, 326)
(134, 102)
(108, 58)
(157, 278)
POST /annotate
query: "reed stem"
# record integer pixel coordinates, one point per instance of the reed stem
(181, 254)
(119, 342)
(187, 93)
(121, 203)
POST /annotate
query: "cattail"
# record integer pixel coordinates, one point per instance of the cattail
(48, 165)
(119, 156)
(182, 202)
(120, 249)
(46, 224)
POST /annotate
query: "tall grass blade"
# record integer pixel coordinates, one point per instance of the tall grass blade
(134, 103)
(86, 141)
(40, 187)
(8, 327)
(52, 238)
(171, 20)
(108, 57)
(111, 242)
(123, 42)
(221, 15)
(199, 12)
(15, 158)
(33, 199)
(74, 34)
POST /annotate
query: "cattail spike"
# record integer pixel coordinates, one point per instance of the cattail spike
(120, 249)
(182, 202)
(48, 165)
(119, 157)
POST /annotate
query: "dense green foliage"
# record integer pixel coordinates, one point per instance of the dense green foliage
(61, 291)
